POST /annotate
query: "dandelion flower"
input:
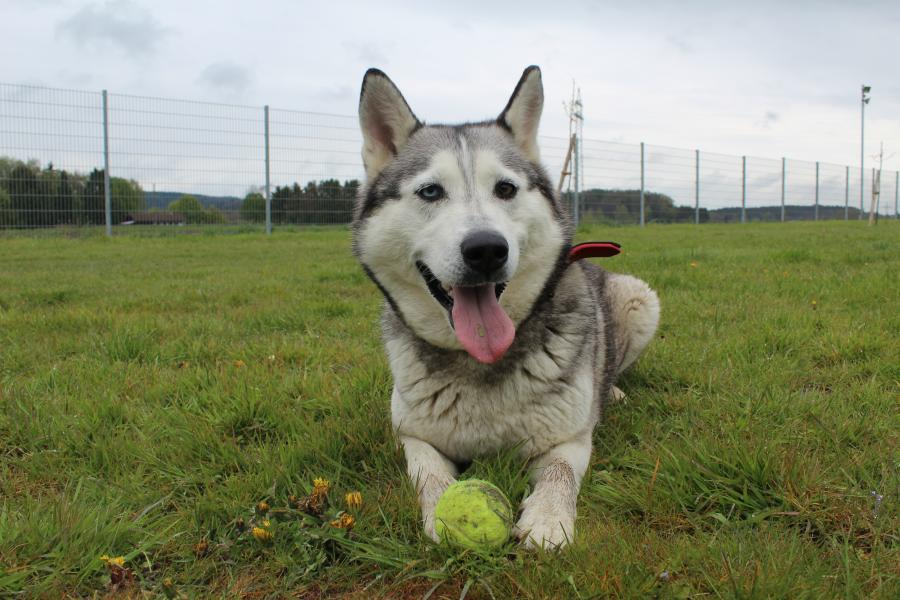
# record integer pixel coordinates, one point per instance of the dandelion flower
(353, 499)
(321, 486)
(118, 561)
(345, 521)
(814, 304)
(263, 535)
(263, 507)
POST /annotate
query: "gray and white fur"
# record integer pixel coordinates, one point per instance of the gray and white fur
(451, 217)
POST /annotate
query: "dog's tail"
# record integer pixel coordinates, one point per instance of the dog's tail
(634, 309)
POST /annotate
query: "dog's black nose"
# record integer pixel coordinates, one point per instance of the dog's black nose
(484, 251)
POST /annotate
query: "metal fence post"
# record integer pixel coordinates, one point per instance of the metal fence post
(696, 187)
(642, 184)
(896, 186)
(847, 194)
(743, 189)
(816, 214)
(783, 177)
(107, 191)
(268, 188)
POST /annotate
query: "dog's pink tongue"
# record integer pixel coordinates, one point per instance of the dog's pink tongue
(483, 329)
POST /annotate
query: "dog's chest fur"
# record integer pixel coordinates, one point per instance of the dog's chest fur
(546, 390)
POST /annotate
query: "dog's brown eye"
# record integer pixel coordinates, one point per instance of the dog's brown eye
(505, 190)
(430, 192)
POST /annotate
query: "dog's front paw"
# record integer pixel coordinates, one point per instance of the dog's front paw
(428, 524)
(429, 496)
(540, 526)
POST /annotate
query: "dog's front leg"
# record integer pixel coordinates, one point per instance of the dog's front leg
(548, 514)
(431, 473)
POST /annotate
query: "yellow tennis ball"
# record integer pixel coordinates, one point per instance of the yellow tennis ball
(473, 514)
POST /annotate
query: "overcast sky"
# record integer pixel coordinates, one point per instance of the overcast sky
(761, 78)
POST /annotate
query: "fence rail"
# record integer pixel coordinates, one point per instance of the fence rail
(72, 158)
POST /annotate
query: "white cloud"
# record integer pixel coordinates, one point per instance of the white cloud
(688, 74)
(120, 24)
(227, 76)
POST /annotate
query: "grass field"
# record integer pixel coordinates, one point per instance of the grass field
(153, 391)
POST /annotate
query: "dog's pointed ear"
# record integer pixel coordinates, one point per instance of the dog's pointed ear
(522, 114)
(385, 119)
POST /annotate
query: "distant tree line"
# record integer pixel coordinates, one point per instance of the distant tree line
(326, 201)
(32, 196)
(624, 206)
(195, 212)
(35, 196)
(792, 212)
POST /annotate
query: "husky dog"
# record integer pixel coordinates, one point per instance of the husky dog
(494, 339)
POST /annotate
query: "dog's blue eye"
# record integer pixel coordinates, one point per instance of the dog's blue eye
(505, 190)
(431, 192)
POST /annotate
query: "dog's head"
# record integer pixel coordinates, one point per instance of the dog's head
(458, 225)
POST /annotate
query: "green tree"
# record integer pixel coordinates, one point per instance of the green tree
(127, 198)
(253, 208)
(189, 207)
(213, 216)
(7, 216)
(92, 200)
(25, 194)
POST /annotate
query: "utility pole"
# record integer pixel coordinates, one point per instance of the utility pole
(864, 99)
(574, 109)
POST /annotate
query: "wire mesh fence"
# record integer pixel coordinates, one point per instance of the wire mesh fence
(182, 164)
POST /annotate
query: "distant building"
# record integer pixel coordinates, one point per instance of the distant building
(154, 218)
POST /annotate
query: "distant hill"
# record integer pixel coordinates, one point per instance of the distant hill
(791, 213)
(623, 206)
(618, 206)
(163, 199)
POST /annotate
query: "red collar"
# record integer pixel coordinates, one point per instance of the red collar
(593, 250)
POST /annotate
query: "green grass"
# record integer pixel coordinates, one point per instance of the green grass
(741, 465)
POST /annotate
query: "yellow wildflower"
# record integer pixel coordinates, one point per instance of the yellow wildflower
(118, 561)
(263, 535)
(345, 521)
(239, 364)
(353, 499)
(814, 304)
(263, 507)
(266, 523)
(321, 486)
(694, 264)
